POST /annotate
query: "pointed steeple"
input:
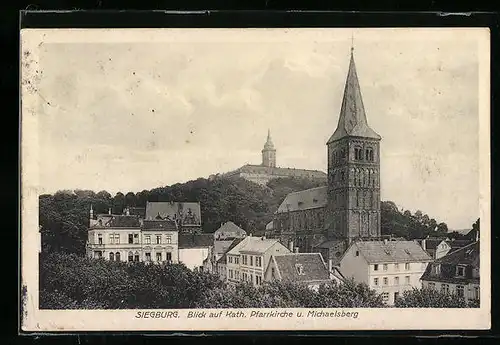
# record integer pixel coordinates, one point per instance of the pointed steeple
(269, 143)
(352, 119)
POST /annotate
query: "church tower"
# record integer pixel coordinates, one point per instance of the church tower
(269, 152)
(353, 206)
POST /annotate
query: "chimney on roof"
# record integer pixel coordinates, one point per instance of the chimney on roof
(296, 250)
(290, 246)
(109, 210)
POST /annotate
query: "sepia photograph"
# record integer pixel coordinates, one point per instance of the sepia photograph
(255, 179)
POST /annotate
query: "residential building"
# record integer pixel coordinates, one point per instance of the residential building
(187, 215)
(221, 263)
(347, 209)
(159, 241)
(249, 258)
(267, 170)
(229, 231)
(388, 267)
(435, 247)
(457, 272)
(303, 268)
(194, 249)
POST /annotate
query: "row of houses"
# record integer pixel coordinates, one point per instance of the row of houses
(164, 234)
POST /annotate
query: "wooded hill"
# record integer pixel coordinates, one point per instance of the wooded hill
(64, 216)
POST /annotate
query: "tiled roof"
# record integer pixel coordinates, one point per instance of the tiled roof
(305, 199)
(119, 221)
(457, 244)
(352, 119)
(220, 247)
(167, 225)
(195, 240)
(137, 211)
(392, 251)
(261, 169)
(467, 255)
(312, 265)
(251, 244)
(223, 258)
(229, 229)
(189, 212)
(432, 243)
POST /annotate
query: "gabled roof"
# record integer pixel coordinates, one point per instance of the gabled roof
(252, 244)
(304, 199)
(166, 225)
(352, 120)
(432, 243)
(467, 255)
(312, 267)
(223, 258)
(196, 240)
(117, 221)
(456, 244)
(229, 229)
(137, 211)
(391, 251)
(221, 246)
(189, 213)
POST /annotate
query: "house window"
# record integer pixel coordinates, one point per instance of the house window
(158, 256)
(99, 238)
(432, 286)
(98, 254)
(130, 257)
(251, 260)
(258, 280)
(244, 259)
(375, 281)
(231, 274)
(385, 267)
(130, 238)
(230, 259)
(158, 239)
(258, 261)
(250, 278)
(136, 257)
(407, 266)
(168, 239)
(147, 239)
(136, 238)
(272, 272)
(357, 252)
(396, 296)
(300, 269)
(118, 256)
(385, 296)
(475, 292)
(396, 267)
(445, 288)
(244, 276)
(460, 291)
(436, 269)
(111, 256)
(236, 260)
(148, 256)
(386, 281)
(168, 257)
(407, 280)
(396, 280)
(461, 271)
(375, 267)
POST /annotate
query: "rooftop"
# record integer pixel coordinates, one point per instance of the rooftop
(392, 251)
(195, 240)
(229, 229)
(223, 258)
(301, 267)
(304, 199)
(167, 225)
(189, 213)
(117, 221)
(251, 244)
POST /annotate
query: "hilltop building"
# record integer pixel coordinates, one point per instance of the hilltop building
(268, 170)
(330, 218)
(388, 267)
(457, 272)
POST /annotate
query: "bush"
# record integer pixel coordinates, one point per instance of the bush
(430, 298)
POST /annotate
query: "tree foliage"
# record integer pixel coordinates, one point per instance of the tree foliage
(431, 298)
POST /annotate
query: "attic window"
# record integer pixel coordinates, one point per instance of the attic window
(357, 252)
(460, 271)
(300, 203)
(300, 269)
(315, 200)
(407, 251)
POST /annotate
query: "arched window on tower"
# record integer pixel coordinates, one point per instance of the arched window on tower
(369, 154)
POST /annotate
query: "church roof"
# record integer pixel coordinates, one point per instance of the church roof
(268, 146)
(260, 169)
(304, 199)
(352, 120)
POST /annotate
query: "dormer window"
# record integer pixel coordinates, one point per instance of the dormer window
(436, 269)
(460, 271)
(300, 269)
(300, 203)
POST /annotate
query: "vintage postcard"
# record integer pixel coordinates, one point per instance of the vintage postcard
(255, 179)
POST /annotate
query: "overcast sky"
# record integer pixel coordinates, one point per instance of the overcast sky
(133, 116)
